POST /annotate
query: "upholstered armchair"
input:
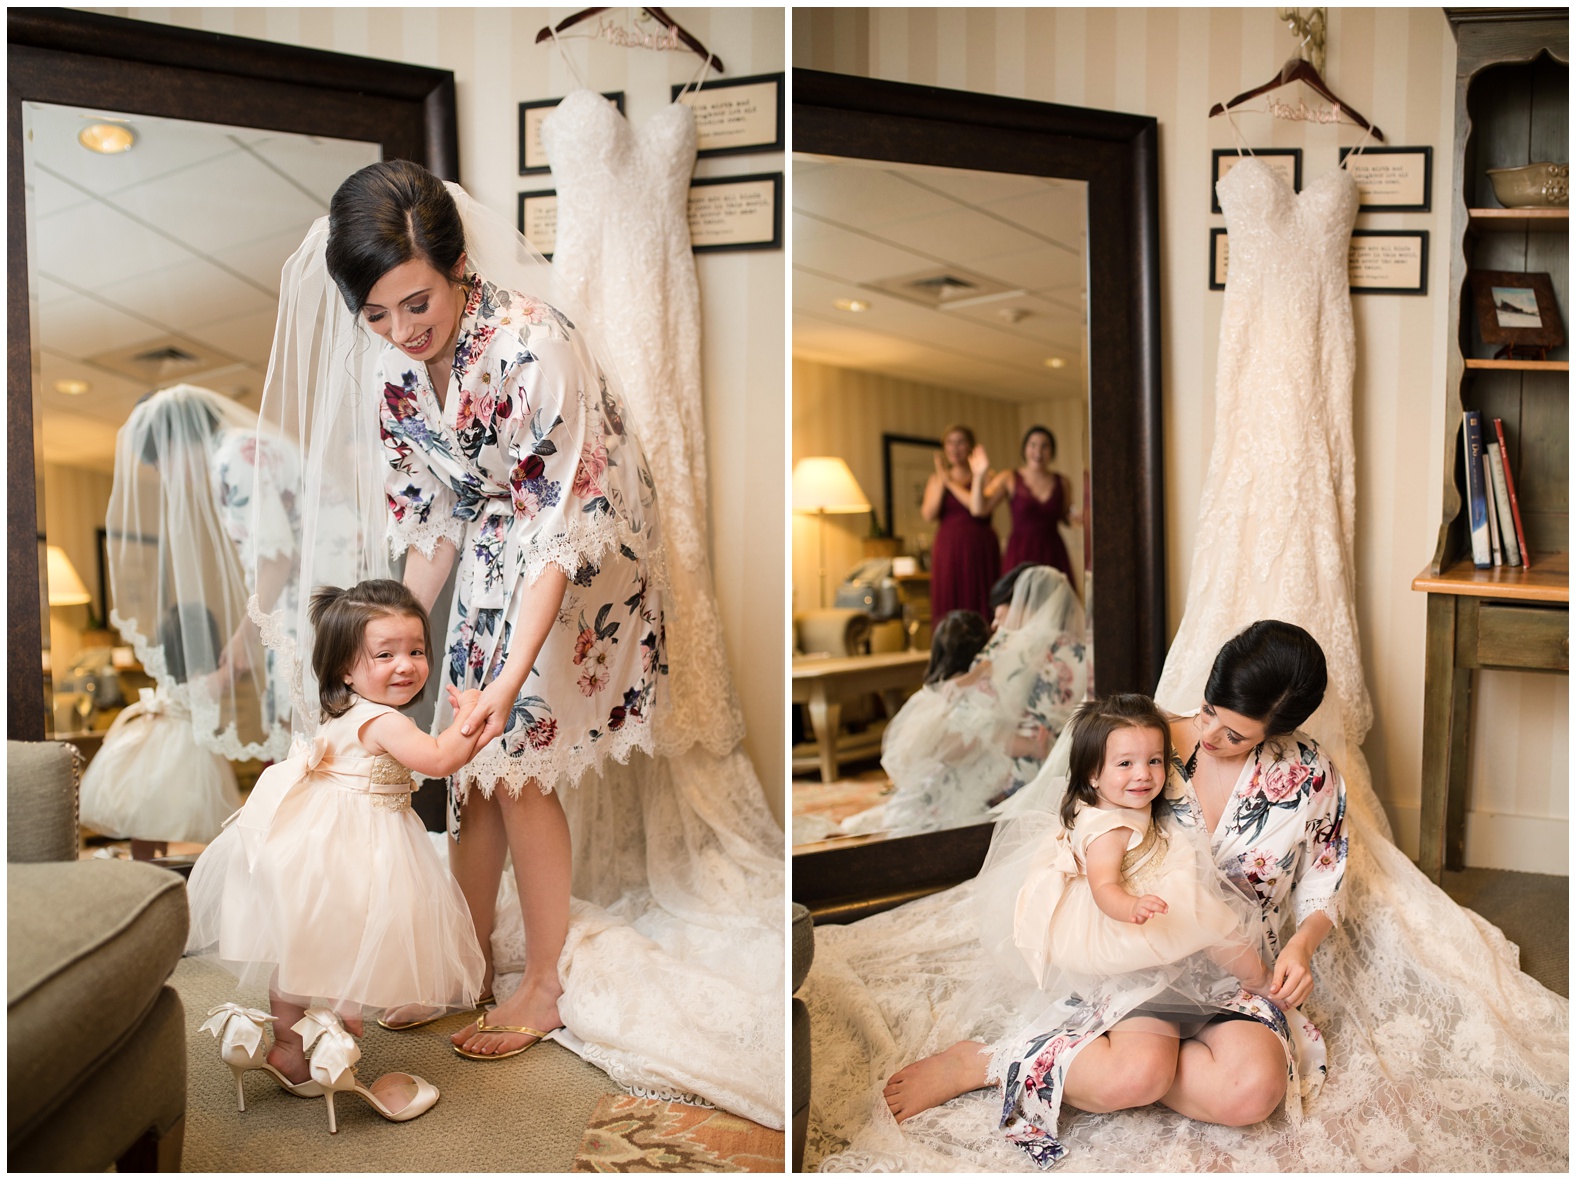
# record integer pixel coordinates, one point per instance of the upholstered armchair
(95, 1036)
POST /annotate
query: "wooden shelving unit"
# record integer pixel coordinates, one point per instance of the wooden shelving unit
(1512, 97)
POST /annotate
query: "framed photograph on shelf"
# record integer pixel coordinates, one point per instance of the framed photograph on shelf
(537, 219)
(736, 213)
(735, 115)
(1517, 311)
(1392, 179)
(1388, 262)
(1219, 256)
(907, 463)
(1286, 161)
(533, 157)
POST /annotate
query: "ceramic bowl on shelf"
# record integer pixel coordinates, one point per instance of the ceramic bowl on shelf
(1533, 186)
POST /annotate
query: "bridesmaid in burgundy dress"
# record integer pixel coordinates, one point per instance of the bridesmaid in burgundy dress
(1039, 499)
(965, 559)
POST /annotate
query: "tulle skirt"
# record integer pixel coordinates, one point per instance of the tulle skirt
(152, 781)
(347, 901)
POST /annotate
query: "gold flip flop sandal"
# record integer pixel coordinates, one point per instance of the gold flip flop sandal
(405, 1025)
(483, 1027)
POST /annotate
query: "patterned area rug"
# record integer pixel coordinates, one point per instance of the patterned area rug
(628, 1134)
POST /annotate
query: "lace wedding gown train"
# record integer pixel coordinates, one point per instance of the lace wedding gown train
(1443, 1055)
(673, 970)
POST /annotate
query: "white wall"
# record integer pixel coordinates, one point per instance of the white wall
(496, 66)
(1396, 65)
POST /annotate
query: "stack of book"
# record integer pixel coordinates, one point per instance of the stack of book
(1492, 508)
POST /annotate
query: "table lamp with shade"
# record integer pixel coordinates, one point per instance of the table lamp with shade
(65, 586)
(823, 485)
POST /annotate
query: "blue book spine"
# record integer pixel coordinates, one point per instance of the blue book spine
(1477, 500)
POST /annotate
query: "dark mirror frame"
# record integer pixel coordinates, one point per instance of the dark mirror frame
(1117, 156)
(58, 55)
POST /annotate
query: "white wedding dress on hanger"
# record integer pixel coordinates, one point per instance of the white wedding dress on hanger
(1442, 1055)
(673, 970)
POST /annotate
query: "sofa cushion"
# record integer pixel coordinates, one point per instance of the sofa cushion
(803, 944)
(41, 801)
(88, 944)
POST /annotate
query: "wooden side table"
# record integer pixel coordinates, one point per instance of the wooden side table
(1490, 618)
(825, 683)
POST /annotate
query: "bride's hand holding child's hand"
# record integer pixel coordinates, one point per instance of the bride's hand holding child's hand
(464, 704)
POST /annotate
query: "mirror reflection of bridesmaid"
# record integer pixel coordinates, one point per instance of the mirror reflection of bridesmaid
(965, 559)
(1040, 500)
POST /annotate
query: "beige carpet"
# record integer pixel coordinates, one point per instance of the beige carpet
(526, 1114)
(1533, 910)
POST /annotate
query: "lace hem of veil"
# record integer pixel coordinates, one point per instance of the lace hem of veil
(204, 710)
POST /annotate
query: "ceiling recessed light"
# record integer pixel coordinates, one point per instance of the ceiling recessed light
(1055, 362)
(108, 139)
(850, 305)
(72, 386)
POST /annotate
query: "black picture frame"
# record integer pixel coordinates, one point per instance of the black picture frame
(1217, 278)
(1428, 177)
(889, 444)
(1220, 153)
(776, 240)
(616, 97)
(519, 219)
(714, 84)
(1422, 264)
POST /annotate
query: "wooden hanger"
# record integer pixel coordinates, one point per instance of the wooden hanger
(1298, 70)
(656, 14)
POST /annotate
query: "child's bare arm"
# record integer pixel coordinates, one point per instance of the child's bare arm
(1103, 862)
(432, 757)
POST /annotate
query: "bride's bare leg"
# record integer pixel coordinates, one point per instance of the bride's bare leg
(538, 839)
(1124, 1068)
(938, 1078)
(1233, 1073)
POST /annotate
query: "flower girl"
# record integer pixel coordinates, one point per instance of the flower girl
(326, 884)
(1111, 890)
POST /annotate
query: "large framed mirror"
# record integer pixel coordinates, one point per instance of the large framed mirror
(964, 259)
(148, 253)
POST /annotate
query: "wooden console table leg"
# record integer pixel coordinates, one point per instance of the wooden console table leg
(1439, 649)
(826, 716)
(1463, 666)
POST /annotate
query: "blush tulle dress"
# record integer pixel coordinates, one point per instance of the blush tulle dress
(326, 887)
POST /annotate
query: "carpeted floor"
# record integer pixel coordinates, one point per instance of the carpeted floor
(526, 1114)
(1533, 909)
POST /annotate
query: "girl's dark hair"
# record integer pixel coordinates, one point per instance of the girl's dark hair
(1001, 592)
(959, 428)
(1273, 672)
(1031, 432)
(189, 637)
(1092, 726)
(340, 618)
(385, 215)
(957, 639)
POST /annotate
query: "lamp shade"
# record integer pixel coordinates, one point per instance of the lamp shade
(65, 587)
(825, 484)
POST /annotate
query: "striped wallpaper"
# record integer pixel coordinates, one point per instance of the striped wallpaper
(1397, 66)
(497, 65)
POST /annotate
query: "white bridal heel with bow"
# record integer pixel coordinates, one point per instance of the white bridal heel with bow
(239, 1032)
(333, 1069)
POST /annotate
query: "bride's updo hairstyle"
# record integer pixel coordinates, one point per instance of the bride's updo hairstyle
(1273, 672)
(1092, 726)
(386, 215)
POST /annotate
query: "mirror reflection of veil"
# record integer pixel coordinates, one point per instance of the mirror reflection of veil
(190, 506)
(960, 745)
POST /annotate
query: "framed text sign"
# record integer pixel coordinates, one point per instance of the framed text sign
(736, 212)
(538, 220)
(1378, 261)
(1392, 179)
(736, 115)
